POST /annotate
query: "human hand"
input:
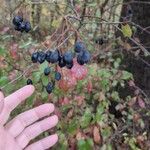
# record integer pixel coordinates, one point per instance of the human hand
(17, 133)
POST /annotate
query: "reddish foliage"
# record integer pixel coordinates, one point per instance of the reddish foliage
(78, 71)
(64, 101)
(70, 77)
(89, 86)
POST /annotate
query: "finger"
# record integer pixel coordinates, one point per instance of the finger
(18, 124)
(36, 129)
(13, 100)
(1, 101)
(44, 144)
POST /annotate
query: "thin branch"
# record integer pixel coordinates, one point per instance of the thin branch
(19, 77)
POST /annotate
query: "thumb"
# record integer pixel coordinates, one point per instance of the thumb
(1, 101)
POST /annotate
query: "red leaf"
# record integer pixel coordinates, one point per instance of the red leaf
(78, 71)
(141, 102)
(89, 86)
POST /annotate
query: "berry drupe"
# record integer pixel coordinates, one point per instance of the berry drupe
(48, 56)
(29, 82)
(27, 26)
(79, 46)
(57, 76)
(69, 66)
(86, 56)
(41, 57)
(61, 63)
(17, 20)
(34, 57)
(68, 57)
(49, 88)
(22, 26)
(47, 71)
(54, 56)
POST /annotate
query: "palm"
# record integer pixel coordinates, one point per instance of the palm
(17, 133)
(9, 142)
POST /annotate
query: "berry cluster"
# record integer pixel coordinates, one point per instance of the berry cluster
(50, 86)
(62, 60)
(21, 25)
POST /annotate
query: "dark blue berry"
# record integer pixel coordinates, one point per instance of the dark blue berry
(99, 41)
(54, 56)
(61, 63)
(34, 57)
(80, 60)
(48, 56)
(57, 76)
(83, 57)
(69, 66)
(22, 26)
(27, 26)
(17, 28)
(29, 82)
(68, 57)
(17, 20)
(49, 88)
(47, 71)
(41, 57)
(86, 56)
(79, 46)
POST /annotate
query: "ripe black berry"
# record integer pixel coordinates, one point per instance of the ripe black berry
(29, 82)
(22, 26)
(17, 28)
(27, 26)
(17, 20)
(41, 57)
(48, 56)
(68, 57)
(99, 41)
(34, 57)
(69, 66)
(61, 63)
(80, 60)
(86, 56)
(47, 71)
(83, 57)
(54, 56)
(57, 76)
(79, 46)
(49, 88)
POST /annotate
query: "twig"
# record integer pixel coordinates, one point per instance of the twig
(20, 76)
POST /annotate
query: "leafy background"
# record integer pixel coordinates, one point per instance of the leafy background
(106, 110)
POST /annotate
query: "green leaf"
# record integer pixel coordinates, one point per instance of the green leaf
(85, 144)
(115, 95)
(93, 69)
(73, 125)
(126, 30)
(43, 66)
(117, 62)
(106, 132)
(3, 80)
(105, 84)
(126, 75)
(2, 51)
(36, 76)
(104, 73)
(86, 118)
(44, 95)
(45, 80)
